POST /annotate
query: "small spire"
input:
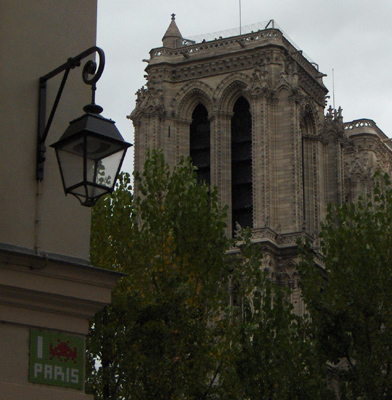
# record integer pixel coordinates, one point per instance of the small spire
(172, 37)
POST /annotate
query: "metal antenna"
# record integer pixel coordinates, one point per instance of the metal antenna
(240, 14)
(333, 88)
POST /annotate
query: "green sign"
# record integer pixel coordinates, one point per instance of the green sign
(56, 359)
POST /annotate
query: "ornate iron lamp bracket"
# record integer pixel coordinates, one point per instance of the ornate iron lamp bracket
(90, 74)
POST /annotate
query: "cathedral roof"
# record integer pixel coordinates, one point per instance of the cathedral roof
(172, 37)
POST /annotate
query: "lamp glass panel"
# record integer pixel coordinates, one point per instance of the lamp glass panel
(88, 191)
(71, 165)
(103, 171)
(94, 191)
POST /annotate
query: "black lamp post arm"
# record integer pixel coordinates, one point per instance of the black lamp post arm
(90, 68)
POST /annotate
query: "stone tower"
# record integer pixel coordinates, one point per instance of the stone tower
(249, 110)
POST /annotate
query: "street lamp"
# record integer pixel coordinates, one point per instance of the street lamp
(91, 150)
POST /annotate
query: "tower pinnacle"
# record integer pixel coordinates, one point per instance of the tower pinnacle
(172, 37)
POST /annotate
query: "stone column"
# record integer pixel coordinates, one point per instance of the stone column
(182, 140)
(260, 160)
(220, 129)
(298, 167)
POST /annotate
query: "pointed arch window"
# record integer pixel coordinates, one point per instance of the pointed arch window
(200, 147)
(241, 165)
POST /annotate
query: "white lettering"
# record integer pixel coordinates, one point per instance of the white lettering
(39, 346)
(58, 372)
(74, 375)
(37, 369)
(48, 371)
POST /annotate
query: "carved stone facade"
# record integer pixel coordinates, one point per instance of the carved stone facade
(300, 158)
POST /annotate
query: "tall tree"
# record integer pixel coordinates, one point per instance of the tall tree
(156, 339)
(170, 331)
(274, 357)
(350, 298)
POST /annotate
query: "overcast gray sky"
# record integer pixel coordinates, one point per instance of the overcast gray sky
(352, 37)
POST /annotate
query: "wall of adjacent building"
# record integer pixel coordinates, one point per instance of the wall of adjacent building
(46, 282)
(37, 37)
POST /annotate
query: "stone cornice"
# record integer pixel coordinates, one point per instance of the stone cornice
(266, 234)
(225, 56)
(211, 48)
(232, 45)
(14, 253)
(51, 292)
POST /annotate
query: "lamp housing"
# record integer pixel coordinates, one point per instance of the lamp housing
(90, 154)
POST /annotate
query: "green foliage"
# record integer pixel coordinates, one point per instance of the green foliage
(169, 332)
(350, 301)
(112, 227)
(275, 356)
(156, 339)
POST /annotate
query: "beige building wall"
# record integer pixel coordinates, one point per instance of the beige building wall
(46, 281)
(37, 37)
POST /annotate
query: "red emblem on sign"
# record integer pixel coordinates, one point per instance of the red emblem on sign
(62, 351)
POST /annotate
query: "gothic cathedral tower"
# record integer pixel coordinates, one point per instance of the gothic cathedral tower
(249, 110)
